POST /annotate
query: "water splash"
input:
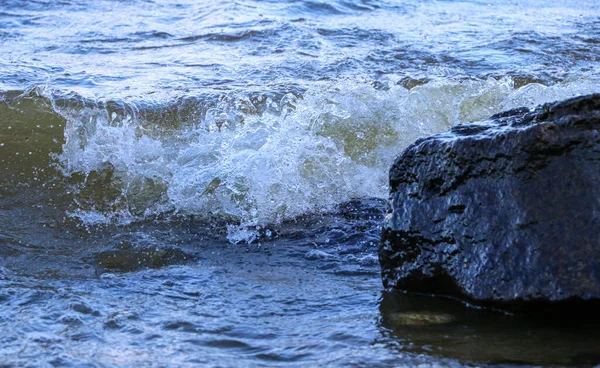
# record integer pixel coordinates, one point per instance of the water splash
(255, 163)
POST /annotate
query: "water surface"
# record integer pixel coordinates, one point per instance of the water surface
(201, 183)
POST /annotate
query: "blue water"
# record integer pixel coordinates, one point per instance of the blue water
(198, 183)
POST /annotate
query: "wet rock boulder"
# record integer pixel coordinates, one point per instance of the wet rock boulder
(505, 212)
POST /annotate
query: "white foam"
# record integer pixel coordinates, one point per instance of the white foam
(334, 144)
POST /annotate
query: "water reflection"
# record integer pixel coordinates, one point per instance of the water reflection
(450, 329)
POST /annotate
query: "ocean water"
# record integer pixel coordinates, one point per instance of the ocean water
(201, 183)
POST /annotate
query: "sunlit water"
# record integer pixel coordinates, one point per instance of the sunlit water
(194, 183)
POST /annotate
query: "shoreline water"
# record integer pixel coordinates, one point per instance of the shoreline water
(273, 125)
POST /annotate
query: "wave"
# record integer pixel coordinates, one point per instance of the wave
(245, 159)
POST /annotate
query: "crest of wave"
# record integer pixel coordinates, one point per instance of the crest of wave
(304, 155)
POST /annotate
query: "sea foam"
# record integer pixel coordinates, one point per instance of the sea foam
(256, 163)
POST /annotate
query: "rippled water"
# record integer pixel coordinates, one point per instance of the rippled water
(201, 183)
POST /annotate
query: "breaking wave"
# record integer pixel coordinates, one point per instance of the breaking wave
(254, 159)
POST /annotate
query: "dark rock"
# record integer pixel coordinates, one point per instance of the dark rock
(505, 212)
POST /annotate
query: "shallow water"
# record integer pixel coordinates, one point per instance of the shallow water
(201, 183)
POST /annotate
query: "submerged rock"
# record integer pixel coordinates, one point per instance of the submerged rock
(134, 259)
(505, 212)
(424, 318)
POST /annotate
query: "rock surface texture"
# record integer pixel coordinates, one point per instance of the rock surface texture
(505, 212)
